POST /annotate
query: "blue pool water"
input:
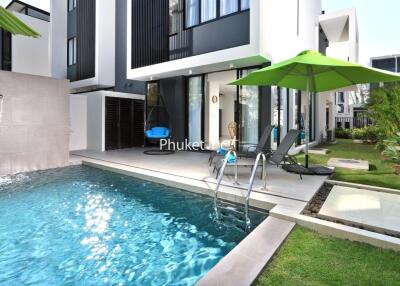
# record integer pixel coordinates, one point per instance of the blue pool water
(84, 226)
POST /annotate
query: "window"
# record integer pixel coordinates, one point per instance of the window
(152, 96)
(208, 10)
(228, 7)
(340, 101)
(202, 11)
(192, 13)
(196, 94)
(245, 4)
(71, 51)
(173, 16)
(71, 5)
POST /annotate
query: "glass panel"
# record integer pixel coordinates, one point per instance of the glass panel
(152, 96)
(249, 112)
(195, 110)
(192, 13)
(71, 5)
(228, 7)
(208, 10)
(280, 115)
(173, 17)
(74, 50)
(245, 5)
(70, 52)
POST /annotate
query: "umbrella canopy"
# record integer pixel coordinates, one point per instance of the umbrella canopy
(10, 23)
(313, 72)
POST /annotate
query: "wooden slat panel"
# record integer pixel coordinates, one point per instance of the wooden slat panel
(138, 123)
(111, 122)
(125, 122)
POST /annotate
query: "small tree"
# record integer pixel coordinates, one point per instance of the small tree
(383, 107)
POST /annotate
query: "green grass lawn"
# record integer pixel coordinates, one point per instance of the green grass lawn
(381, 174)
(307, 258)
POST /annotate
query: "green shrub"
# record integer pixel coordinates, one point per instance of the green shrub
(369, 133)
(343, 133)
(383, 108)
(392, 148)
(358, 133)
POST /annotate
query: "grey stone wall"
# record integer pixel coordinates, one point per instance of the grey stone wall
(34, 123)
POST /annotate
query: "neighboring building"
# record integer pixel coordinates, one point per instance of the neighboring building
(341, 29)
(121, 56)
(25, 54)
(389, 63)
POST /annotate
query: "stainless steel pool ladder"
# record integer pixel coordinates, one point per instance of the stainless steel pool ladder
(221, 175)
(252, 177)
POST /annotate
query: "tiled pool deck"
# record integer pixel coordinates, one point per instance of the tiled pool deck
(285, 198)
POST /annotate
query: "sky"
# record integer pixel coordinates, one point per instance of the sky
(378, 23)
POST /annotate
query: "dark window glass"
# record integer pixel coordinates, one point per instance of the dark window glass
(71, 51)
(71, 5)
(192, 13)
(152, 95)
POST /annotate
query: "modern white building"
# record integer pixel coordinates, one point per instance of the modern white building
(341, 30)
(24, 54)
(124, 57)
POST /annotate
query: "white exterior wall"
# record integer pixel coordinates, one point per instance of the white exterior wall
(58, 38)
(281, 36)
(341, 29)
(34, 127)
(87, 117)
(95, 121)
(31, 55)
(105, 47)
(78, 122)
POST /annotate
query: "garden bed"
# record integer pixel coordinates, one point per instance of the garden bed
(314, 206)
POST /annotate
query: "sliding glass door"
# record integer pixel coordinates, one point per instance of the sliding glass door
(249, 111)
(195, 108)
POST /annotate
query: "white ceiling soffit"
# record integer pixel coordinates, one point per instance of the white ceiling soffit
(336, 29)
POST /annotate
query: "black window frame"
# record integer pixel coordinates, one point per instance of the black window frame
(218, 14)
(74, 52)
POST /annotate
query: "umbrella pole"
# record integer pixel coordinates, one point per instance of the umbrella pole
(306, 123)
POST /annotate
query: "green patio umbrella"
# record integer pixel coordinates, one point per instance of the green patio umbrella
(10, 23)
(311, 71)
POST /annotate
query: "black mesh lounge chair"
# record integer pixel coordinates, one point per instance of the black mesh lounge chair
(251, 150)
(279, 157)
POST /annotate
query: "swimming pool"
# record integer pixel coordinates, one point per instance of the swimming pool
(84, 226)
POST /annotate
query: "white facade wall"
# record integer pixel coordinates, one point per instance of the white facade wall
(341, 29)
(34, 126)
(78, 122)
(58, 38)
(31, 55)
(87, 118)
